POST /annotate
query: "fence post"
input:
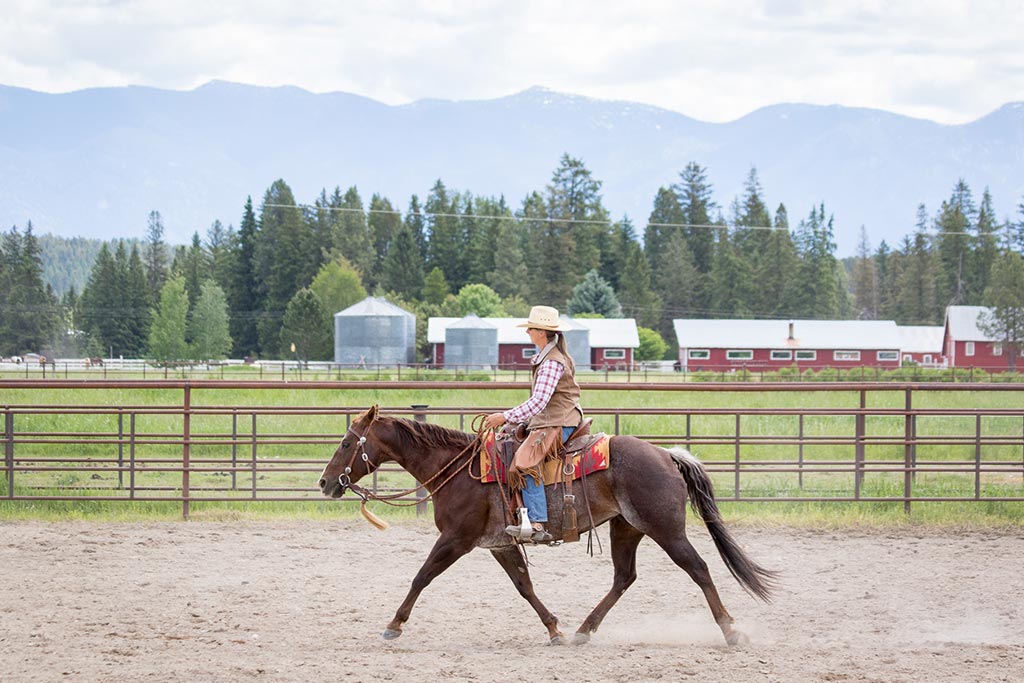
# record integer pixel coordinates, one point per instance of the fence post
(909, 452)
(977, 457)
(736, 490)
(234, 449)
(120, 449)
(421, 493)
(858, 455)
(131, 456)
(800, 452)
(9, 450)
(186, 451)
(253, 481)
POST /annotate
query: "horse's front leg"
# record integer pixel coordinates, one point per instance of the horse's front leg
(445, 552)
(511, 560)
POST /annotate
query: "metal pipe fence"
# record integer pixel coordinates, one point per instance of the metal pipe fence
(881, 443)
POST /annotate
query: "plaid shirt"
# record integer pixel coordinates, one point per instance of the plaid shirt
(548, 375)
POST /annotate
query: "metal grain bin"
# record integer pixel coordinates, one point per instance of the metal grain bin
(374, 332)
(471, 343)
(577, 340)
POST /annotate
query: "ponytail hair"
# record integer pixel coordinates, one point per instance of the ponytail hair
(561, 346)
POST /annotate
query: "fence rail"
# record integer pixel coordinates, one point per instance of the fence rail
(892, 443)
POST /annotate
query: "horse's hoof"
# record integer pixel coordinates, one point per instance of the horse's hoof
(390, 634)
(580, 638)
(737, 638)
(557, 640)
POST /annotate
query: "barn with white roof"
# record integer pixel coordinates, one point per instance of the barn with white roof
(593, 343)
(723, 345)
(967, 346)
(921, 345)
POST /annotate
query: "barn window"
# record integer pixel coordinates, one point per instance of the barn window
(969, 348)
(888, 355)
(529, 353)
(927, 359)
(997, 349)
(782, 355)
(846, 355)
(615, 353)
(698, 354)
(807, 355)
(739, 354)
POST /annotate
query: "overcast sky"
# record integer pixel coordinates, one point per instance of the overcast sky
(946, 60)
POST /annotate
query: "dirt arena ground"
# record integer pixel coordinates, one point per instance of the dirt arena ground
(306, 601)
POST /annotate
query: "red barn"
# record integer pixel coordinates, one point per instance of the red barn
(966, 346)
(724, 345)
(921, 345)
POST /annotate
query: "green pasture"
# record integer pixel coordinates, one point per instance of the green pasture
(222, 442)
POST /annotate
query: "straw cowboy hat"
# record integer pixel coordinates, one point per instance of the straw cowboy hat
(544, 318)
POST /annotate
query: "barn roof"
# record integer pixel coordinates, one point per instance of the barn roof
(604, 333)
(962, 322)
(920, 338)
(775, 334)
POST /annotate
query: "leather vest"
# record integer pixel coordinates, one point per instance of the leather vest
(563, 409)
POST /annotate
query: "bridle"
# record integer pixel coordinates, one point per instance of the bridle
(344, 479)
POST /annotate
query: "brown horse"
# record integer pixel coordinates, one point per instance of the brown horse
(642, 493)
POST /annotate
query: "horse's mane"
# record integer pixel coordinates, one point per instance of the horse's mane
(430, 436)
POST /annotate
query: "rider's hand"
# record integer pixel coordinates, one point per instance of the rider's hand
(494, 420)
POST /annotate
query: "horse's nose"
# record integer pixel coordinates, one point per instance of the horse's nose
(323, 483)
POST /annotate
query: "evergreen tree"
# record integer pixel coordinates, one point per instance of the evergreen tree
(816, 289)
(594, 295)
(775, 268)
(352, 232)
(510, 275)
(435, 287)
(1005, 298)
(953, 240)
(576, 217)
(281, 259)
(752, 221)
(167, 335)
(915, 286)
(195, 267)
(678, 284)
(447, 242)
(696, 205)
(666, 219)
(209, 331)
(136, 306)
(888, 269)
(414, 220)
(220, 249)
(384, 223)
(100, 303)
(865, 280)
(402, 270)
(985, 248)
(618, 242)
(243, 293)
(28, 307)
(156, 254)
(306, 325)
(635, 293)
(732, 283)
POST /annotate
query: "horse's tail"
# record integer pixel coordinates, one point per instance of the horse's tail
(754, 578)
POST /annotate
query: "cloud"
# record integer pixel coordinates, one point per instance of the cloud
(711, 60)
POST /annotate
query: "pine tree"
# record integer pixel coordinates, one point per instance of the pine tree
(402, 270)
(732, 284)
(696, 205)
(352, 232)
(635, 293)
(915, 286)
(195, 267)
(816, 289)
(665, 220)
(384, 223)
(953, 245)
(220, 246)
(1005, 298)
(594, 295)
(447, 242)
(281, 259)
(775, 268)
(209, 331)
(137, 306)
(156, 254)
(167, 335)
(985, 249)
(28, 307)
(510, 276)
(435, 287)
(244, 300)
(678, 284)
(414, 220)
(865, 280)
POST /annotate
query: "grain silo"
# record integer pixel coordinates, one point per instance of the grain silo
(374, 332)
(577, 340)
(471, 343)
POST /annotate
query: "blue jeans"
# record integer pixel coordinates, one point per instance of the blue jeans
(533, 495)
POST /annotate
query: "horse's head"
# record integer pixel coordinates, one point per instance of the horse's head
(358, 454)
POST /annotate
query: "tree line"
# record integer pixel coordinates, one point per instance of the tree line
(270, 287)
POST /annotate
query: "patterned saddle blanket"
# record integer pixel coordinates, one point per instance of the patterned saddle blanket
(589, 454)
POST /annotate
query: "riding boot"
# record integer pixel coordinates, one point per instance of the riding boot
(522, 531)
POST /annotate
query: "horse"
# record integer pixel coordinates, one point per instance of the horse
(642, 493)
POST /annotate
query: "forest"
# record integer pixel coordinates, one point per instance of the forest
(269, 288)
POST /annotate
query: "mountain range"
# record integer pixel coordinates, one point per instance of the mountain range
(95, 162)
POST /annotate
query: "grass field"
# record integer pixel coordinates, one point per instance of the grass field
(90, 445)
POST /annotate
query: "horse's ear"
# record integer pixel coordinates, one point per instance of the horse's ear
(371, 412)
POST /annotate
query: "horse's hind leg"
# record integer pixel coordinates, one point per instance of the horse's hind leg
(624, 538)
(685, 555)
(512, 561)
